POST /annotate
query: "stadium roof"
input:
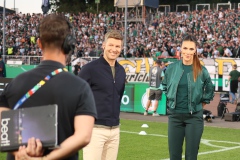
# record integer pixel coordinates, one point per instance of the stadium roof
(6, 10)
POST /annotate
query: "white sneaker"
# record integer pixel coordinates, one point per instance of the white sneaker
(145, 113)
(155, 114)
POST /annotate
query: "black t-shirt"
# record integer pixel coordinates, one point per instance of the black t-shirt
(72, 95)
(205, 54)
(76, 69)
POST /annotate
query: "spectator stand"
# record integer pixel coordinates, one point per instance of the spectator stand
(164, 9)
(162, 34)
(180, 7)
(7, 11)
(205, 6)
(224, 6)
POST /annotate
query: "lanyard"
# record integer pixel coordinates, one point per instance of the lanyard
(37, 86)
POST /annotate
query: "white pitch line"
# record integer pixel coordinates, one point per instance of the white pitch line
(157, 135)
(207, 142)
(220, 150)
(23, 69)
(215, 151)
(238, 143)
(204, 141)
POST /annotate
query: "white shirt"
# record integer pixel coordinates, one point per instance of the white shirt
(228, 52)
(199, 50)
(215, 54)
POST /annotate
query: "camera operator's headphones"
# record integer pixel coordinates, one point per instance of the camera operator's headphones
(69, 42)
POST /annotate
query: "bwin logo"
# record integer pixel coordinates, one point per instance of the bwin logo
(4, 136)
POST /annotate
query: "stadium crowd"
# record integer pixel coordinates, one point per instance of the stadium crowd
(218, 33)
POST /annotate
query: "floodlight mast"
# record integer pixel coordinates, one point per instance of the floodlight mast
(125, 29)
(4, 12)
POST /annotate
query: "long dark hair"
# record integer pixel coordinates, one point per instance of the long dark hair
(197, 67)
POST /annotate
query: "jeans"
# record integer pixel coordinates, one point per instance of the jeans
(233, 97)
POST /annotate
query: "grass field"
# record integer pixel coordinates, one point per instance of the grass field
(216, 143)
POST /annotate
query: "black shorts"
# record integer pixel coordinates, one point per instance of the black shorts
(155, 94)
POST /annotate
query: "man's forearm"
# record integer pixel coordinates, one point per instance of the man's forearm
(80, 138)
(67, 148)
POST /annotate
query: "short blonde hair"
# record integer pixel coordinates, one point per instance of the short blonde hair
(235, 66)
(113, 34)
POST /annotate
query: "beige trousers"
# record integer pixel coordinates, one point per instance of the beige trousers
(103, 145)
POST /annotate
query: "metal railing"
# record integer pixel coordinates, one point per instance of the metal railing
(35, 60)
(22, 60)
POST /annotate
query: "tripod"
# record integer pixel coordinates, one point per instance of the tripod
(238, 118)
(225, 110)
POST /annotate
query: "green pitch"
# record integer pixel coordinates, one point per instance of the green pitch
(216, 143)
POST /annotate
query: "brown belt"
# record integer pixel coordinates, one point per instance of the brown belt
(107, 127)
